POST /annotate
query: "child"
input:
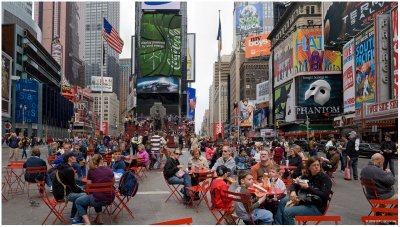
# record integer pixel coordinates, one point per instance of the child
(262, 216)
(218, 185)
(118, 164)
(142, 153)
(274, 180)
(242, 161)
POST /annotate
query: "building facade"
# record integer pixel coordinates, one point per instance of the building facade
(111, 115)
(125, 72)
(225, 60)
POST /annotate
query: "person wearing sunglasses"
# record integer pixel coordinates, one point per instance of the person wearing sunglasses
(226, 159)
(174, 173)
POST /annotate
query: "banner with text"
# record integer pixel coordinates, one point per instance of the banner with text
(191, 57)
(283, 61)
(191, 103)
(96, 83)
(6, 85)
(285, 101)
(26, 96)
(348, 77)
(249, 18)
(218, 129)
(262, 92)
(257, 46)
(395, 60)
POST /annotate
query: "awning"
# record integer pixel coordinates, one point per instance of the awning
(301, 130)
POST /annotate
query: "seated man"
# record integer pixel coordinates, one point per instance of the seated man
(226, 160)
(331, 164)
(242, 161)
(173, 172)
(260, 168)
(262, 216)
(198, 161)
(35, 161)
(384, 180)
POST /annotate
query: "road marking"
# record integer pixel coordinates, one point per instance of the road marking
(153, 193)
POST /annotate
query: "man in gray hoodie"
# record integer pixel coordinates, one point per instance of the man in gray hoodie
(384, 180)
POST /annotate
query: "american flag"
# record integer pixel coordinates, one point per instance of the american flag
(219, 37)
(112, 37)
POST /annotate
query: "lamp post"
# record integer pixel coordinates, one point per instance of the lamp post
(23, 108)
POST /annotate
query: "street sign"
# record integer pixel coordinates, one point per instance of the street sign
(8, 125)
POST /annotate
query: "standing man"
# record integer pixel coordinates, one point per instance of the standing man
(352, 153)
(342, 152)
(135, 141)
(388, 148)
(13, 141)
(156, 148)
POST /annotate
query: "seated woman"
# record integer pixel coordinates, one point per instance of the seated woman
(319, 185)
(35, 161)
(242, 161)
(294, 160)
(210, 151)
(330, 165)
(143, 155)
(98, 173)
(197, 161)
(278, 154)
(118, 164)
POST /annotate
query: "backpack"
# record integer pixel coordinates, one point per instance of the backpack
(128, 185)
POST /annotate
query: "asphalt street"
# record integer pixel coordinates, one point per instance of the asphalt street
(149, 207)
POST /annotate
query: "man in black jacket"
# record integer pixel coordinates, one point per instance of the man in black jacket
(174, 174)
(352, 153)
(64, 176)
(388, 148)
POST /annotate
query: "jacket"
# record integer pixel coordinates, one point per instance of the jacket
(296, 161)
(241, 210)
(242, 162)
(170, 168)
(384, 181)
(351, 149)
(13, 142)
(230, 164)
(143, 154)
(320, 185)
(210, 152)
(67, 177)
(388, 145)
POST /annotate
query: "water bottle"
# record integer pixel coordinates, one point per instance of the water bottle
(190, 166)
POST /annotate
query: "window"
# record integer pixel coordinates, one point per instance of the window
(19, 40)
(307, 9)
(312, 9)
(19, 58)
(19, 73)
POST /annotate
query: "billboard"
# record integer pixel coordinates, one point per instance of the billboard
(133, 54)
(247, 108)
(57, 52)
(349, 100)
(191, 57)
(345, 19)
(218, 129)
(96, 83)
(249, 19)
(161, 5)
(262, 92)
(365, 67)
(191, 102)
(260, 118)
(157, 85)
(257, 45)
(382, 60)
(285, 101)
(6, 84)
(317, 96)
(26, 95)
(309, 56)
(395, 33)
(160, 45)
(283, 61)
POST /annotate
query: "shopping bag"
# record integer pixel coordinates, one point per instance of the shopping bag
(347, 175)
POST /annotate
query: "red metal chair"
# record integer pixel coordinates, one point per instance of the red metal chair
(50, 160)
(245, 199)
(330, 173)
(36, 170)
(183, 221)
(122, 203)
(56, 207)
(380, 219)
(174, 190)
(312, 218)
(3, 184)
(223, 212)
(287, 182)
(369, 188)
(318, 219)
(103, 188)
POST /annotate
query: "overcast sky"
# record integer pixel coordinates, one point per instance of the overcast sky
(202, 20)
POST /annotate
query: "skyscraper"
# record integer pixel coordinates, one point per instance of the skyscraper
(125, 71)
(60, 23)
(95, 11)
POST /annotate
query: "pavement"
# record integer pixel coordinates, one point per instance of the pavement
(149, 204)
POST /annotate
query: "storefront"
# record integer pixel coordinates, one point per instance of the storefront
(320, 132)
(345, 123)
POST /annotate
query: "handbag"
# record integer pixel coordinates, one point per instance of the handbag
(347, 171)
(307, 198)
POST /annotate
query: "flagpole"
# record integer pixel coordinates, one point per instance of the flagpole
(101, 74)
(219, 78)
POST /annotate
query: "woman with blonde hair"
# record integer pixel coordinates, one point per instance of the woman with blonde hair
(98, 173)
(294, 160)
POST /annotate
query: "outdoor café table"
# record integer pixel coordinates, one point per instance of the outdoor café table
(131, 161)
(284, 167)
(12, 177)
(195, 173)
(271, 191)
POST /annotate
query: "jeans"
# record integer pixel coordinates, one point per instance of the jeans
(24, 152)
(158, 162)
(72, 197)
(285, 216)
(391, 165)
(83, 202)
(353, 167)
(343, 158)
(186, 181)
(264, 217)
(78, 169)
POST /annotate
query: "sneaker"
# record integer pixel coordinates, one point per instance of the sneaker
(51, 189)
(74, 222)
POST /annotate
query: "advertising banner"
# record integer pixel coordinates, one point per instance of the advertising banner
(267, 133)
(218, 129)
(96, 83)
(262, 92)
(6, 84)
(133, 54)
(26, 95)
(285, 101)
(318, 96)
(345, 19)
(365, 67)
(131, 83)
(157, 85)
(130, 102)
(160, 45)
(249, 19)
(283, 61)
(57, 52)
(161, 5)
(105, 128)
(395, 33)
(257, 46)
(191, 57)
(260, 118)
(247, 108)
(382, 61)
(349, 100)
(191, 102)
(309, 56)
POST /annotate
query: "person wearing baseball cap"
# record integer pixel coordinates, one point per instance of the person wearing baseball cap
(218, 185)
(388, 148)
(352, 152)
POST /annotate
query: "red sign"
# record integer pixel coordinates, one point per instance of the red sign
(383, 107)
(105, 128)
(395, 22)
(7, 125)
(218, 129)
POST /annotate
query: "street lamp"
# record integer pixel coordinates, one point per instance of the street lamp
(23, 108)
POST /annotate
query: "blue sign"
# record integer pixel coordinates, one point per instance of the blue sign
(249, 19)
(191, 102)
(26, 96)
